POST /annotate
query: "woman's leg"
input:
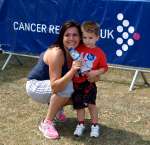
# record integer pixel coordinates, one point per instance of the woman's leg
(46, 126)
(39, 91)
(56, 103)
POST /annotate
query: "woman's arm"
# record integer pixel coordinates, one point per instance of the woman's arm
(55, 60)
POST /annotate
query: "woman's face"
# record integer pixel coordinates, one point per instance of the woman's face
(71, 38)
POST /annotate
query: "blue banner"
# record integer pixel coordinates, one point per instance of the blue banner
(28, 27)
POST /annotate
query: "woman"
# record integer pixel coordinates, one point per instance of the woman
(50, 80)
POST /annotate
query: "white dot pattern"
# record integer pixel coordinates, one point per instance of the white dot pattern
(119, 29)
(119, 52)
(124, 39)
(124, 47)
(125, 23)
(130, 42)
(119, 40)
(120, 16)
(131, 29)
(125, 35)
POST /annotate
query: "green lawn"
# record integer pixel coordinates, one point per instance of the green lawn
(124, 116)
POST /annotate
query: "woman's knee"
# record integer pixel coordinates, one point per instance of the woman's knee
(41, 99)
(59, 100)
(67, 92)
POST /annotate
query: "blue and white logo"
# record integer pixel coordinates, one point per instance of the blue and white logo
(126, 35)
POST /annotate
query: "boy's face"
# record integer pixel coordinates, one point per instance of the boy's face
(89, 39)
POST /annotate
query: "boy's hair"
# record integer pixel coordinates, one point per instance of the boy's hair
(91, 27)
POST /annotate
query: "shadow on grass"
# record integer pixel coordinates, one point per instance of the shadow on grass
(109, 136)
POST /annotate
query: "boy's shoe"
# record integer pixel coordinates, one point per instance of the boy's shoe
(60, 116)
(95, 131)
(79, 130)
(48, 129)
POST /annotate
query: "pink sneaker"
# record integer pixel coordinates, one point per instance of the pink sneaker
(60, 116)
(48, 129)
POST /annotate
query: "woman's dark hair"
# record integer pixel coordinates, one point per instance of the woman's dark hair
(66, 25)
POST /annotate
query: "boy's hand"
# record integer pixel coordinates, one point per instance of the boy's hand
(92, 76)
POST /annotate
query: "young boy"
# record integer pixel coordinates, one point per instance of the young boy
(85, 88)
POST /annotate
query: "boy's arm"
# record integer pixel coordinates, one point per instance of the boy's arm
(94, 75)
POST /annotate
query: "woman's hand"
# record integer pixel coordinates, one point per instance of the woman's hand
(76, 65)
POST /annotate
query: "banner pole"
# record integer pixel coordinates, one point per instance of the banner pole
(7, 60)
(10, 54)
(133, 80)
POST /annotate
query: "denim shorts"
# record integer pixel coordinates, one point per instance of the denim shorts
(41, 91)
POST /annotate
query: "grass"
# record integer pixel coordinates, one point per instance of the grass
(124, 116)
